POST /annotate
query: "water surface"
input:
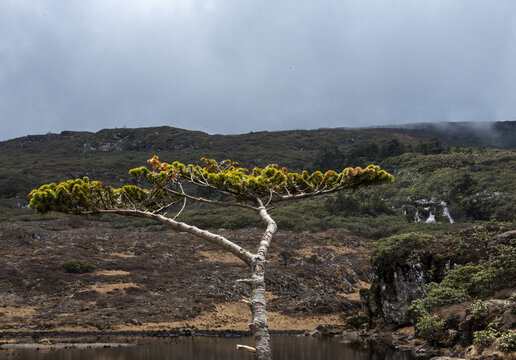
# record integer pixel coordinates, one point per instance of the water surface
(205, 348)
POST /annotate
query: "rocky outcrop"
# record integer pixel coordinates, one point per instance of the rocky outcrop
(401, 268)
(494, 314)
(392, 291)
(476, 326)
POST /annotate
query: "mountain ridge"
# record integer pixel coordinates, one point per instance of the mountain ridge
(461, 132)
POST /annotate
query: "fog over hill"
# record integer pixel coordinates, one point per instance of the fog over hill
(500, 134)
(252, 66)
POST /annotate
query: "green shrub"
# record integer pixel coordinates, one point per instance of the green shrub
(472, 279)
(485, 337)
(430, 328)
(398, 247)
(314, 260)
(471, 240)
(285, 256)
(507, 341)
(78, 266)
(439, 295)
(461, 284)
(417, 310)
(503, 257)
(478, 308)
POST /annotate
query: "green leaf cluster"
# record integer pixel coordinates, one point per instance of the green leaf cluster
(507, 341)
(441, 294)
(485, 337)
(84, 196)
(430, 328)
(228, 177)
(462, 283)
(81, 196)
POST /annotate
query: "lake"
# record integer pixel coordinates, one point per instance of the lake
(208, 348)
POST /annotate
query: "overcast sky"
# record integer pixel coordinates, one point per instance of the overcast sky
(245, 65)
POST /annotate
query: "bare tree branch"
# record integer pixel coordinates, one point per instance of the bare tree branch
(219, 240)
(180, 211)
(213, 202)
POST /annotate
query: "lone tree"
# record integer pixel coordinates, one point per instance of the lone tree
(257, 190)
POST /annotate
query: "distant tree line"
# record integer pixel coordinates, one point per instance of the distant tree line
(350, 205)
(469, 202)
(372, 153)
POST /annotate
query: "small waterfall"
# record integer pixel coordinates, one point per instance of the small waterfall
(446, 213)
(431, 219)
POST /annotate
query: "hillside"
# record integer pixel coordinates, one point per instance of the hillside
(422, 149)
(445, 227)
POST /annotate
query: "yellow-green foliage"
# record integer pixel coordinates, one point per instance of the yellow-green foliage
(439, 295)
(228, 177)
(69, 196)
(430, 328)
(82, 196)
(427, 327)
(473, 279)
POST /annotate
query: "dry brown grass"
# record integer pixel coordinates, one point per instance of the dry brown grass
(112, 272)
(123, 255)
(219, 257)
(236, 316)
(105, 288)
(18, 311)
(341, 250)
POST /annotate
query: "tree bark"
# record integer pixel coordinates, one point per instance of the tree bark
(259, 324)
(216, 239)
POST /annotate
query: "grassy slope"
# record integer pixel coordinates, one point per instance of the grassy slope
(107, 155)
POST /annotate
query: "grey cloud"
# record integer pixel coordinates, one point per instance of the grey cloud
(229, 67)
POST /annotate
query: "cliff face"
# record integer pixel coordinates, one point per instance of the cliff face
(464, 285)
(394, 289)
(402, 266)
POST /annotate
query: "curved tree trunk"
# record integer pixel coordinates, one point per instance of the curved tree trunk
(259, 325)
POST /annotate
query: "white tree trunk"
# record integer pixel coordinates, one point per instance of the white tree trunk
(216, 239)
(259, 325)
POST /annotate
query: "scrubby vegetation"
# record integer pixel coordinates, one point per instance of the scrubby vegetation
(430, 328)
(78, 266)
(398, 247)
(474, 183)
(508, 341)
(451, 198)
(485, 337)
(468, 266)
(479, 264)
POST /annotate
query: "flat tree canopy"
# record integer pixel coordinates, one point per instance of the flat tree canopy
(257, 190)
